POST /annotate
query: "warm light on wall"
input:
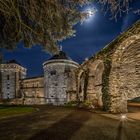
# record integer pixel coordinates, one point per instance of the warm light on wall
(123, 117)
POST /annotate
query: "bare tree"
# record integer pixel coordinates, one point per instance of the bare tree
(46, 22)
(116, 7)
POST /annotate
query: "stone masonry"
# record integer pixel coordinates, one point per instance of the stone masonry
(112, 77)
(58, 74)
(32, 90)
(108, 80)
(11, 73)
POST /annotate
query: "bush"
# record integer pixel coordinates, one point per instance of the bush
(72, 103)
(82, 104)
(87, 104)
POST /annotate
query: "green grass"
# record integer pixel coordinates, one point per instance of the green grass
(61, 123)
(8, 111)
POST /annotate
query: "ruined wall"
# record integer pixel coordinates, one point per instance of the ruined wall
(114, 73)
(90, 81)
(124, 79)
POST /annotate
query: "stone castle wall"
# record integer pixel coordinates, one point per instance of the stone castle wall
(112, 76)
(109, 79)
(32, 90)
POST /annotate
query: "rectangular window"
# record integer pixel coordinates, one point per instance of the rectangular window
(53, 72)
(8, 77)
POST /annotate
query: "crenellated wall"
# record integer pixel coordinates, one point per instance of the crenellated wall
(32, 90)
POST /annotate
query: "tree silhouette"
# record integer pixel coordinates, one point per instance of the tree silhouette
(46, 22)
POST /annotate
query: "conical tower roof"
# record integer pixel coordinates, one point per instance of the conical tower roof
(60, 55)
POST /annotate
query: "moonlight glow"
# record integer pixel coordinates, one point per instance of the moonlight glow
(90, 14)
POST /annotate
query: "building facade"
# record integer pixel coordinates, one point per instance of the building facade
(59, 75)
(57, 86)
(32, 90)
(109, 79)
(11, 73)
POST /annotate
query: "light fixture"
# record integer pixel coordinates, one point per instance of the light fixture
(123, 117)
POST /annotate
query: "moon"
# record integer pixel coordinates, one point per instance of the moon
(90, 12)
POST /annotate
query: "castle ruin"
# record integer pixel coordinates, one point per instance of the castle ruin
(108, 80)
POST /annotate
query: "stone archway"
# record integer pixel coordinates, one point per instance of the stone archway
(124, 79)
(80, 85)
(95, 81)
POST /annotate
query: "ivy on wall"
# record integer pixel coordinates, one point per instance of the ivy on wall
(106, 55)
(86, 84)
(105, 82)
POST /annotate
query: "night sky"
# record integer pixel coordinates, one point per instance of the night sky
(91, 36)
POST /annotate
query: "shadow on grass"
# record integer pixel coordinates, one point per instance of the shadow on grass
(64, 129)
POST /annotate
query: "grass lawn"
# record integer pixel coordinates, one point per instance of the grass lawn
(8, 111)
(59, 123)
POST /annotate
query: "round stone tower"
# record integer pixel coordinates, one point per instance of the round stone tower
(59, 78)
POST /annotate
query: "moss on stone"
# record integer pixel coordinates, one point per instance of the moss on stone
(86, 83)
(105, 82)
